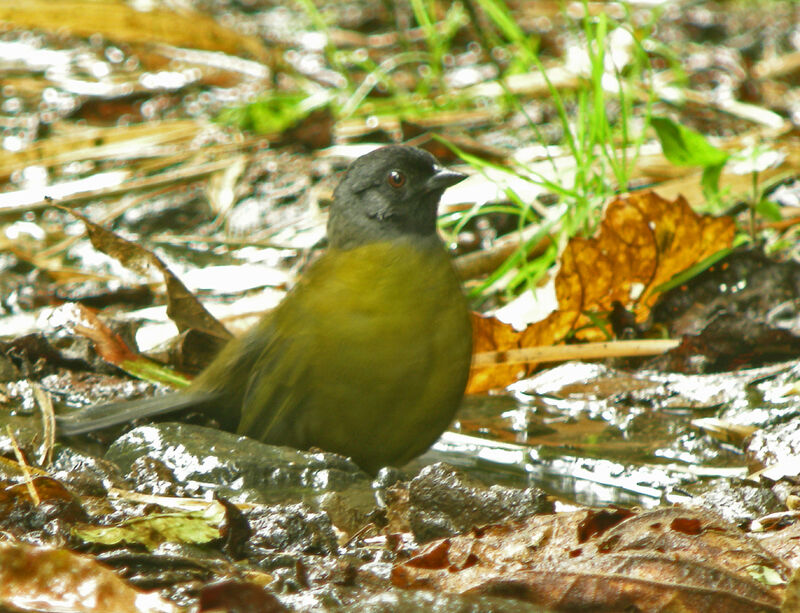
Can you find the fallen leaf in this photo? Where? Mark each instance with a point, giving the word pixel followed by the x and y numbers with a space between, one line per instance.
pixel 46 579
pixel 669 559
pixel 121 21
pixel 113 349
pixel 642 242
pixel 182 306
pixel 196 527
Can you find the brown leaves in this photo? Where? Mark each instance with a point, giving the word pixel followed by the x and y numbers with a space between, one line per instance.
pixel 113 349
pixel 643 241
pixel 123 22
pixel 182 306
pixel 664 560
pixel 45 579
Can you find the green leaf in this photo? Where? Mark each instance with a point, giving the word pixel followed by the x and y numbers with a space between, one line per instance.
pixel 710 182
pixel 769 210
pixel 685 147
pixel 147 370
pixel 194 527
pixel 272 113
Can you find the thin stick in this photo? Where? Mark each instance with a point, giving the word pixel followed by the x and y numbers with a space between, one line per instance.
pixel 585 351
pixel 24 465
pixel 45 403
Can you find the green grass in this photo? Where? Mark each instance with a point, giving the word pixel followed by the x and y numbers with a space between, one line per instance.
pixel 604 151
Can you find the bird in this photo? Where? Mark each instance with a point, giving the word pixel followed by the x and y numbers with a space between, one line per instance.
pixel 368 354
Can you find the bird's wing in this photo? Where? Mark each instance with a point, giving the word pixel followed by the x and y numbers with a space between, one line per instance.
pixel 277 385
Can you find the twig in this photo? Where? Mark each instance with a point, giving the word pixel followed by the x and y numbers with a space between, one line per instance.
pixel 170 502
pixel 24 465
pixel 585 351
pixel 45 403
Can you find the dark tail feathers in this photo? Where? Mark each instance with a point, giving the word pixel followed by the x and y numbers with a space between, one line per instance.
pixel 102 416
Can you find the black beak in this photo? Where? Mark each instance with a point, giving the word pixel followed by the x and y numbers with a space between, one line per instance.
pixel 443 178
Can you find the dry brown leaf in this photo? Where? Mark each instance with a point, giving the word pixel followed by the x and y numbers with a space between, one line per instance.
pixel 120 21
pixel 46 579
pixel 47 490
pixel 182 306
pixel 109 345
pixel 113 349
pixel 669 559
pixel 642 242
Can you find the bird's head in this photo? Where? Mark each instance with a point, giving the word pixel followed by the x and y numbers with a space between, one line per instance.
pixel 389 193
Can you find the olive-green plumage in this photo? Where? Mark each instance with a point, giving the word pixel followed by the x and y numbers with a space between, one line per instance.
pixel 368 355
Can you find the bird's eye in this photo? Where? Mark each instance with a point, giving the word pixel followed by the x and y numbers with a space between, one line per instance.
pixel 396 179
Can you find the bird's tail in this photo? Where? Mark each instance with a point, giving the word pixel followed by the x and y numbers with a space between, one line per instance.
pixel 101 416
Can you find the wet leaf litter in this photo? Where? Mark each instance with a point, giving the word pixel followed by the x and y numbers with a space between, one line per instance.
pixel 227 521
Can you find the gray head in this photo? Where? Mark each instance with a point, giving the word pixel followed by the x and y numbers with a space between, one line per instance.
pixel 389 193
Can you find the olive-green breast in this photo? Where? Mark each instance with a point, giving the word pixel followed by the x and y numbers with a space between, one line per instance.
pixel 369 355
